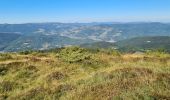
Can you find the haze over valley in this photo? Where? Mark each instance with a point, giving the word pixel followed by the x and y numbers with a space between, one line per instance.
pixel 40 36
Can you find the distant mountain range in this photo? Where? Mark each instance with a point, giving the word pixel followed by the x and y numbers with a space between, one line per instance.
pixel 17 37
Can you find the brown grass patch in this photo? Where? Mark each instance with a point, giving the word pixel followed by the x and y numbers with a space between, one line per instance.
pixel 56 76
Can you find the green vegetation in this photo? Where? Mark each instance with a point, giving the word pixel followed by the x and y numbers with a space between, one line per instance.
pixel 74 54
pixel 75 73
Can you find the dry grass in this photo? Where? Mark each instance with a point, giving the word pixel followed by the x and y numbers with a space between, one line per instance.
pixel 40 76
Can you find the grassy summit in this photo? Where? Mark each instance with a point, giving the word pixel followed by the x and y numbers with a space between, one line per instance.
pixel 75 73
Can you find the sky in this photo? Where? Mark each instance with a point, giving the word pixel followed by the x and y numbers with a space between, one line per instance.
pixel 69 11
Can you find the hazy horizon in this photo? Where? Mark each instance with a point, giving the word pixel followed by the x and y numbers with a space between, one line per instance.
pixel 84 11
pixel 110 22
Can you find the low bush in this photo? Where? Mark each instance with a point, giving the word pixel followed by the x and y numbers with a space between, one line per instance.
pixel 74 54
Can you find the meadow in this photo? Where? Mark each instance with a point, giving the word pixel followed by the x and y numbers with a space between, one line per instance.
pixel 75 73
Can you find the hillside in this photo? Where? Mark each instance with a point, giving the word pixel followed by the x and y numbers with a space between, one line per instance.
pixel 79 74
pixel 40 42
pixel 134 44
pixel 144 43
pixel 7 38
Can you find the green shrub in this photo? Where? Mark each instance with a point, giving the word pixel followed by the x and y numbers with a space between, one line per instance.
pixel 74 54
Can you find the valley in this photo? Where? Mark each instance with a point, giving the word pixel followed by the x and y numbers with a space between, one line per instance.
pixel 39 36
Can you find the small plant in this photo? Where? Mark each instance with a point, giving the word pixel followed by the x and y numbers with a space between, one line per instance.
pixel 74 54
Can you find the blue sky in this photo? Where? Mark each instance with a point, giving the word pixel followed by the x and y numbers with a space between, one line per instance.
pixel 23 11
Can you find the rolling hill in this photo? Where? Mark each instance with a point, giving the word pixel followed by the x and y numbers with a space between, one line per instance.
pixel 144 43
pixel 36 35
pixel 135 44
pixel 7 38
pixel 41 42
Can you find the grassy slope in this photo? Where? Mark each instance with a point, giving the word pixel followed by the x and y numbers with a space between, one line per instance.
pixel 45 76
